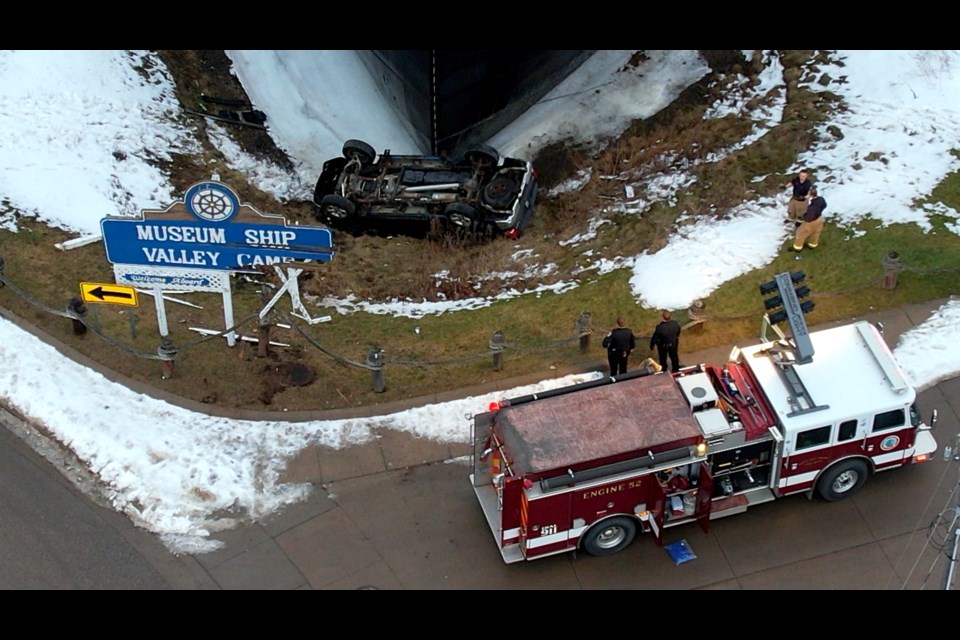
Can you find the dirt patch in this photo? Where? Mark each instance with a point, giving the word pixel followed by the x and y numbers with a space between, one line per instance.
pixel 556 163
pixel 276 377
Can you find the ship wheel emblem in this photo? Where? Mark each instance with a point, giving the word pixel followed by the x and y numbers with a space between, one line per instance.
pixel 210 201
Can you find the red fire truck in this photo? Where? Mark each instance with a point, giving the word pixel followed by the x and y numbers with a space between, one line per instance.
pixel 591 465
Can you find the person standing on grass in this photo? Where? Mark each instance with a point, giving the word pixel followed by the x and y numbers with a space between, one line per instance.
pixel 666 338
pixel 809 230
pixel 619 343
pixel 801 186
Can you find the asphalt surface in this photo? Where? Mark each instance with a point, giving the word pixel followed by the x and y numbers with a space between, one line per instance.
pixel 399 513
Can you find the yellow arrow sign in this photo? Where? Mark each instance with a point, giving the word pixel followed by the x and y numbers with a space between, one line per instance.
pixel 110 293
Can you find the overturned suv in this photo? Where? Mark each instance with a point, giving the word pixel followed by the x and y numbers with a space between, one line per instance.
pixel 480 192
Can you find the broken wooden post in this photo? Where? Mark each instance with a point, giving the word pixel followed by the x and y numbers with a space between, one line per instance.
pixel 263 341
pixel 891 268
pixel 167 352
pixel 695 312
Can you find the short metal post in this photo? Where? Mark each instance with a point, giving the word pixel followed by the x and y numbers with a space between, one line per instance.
pixel 375 360
pixel 891 268
pixel 497 342
pixel 167 352
pixel 79 311
pixel 584 330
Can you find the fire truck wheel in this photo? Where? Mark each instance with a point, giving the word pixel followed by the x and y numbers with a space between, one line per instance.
pixel 610 536
pixel 842 480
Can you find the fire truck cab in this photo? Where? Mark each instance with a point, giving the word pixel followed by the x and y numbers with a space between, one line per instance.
pixel 592 465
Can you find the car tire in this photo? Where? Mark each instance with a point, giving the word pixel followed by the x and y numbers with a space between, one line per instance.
pixel 482 155
pixel 610 536
pixel 461 215
pixel 360 150
pixel 336 208
pixel 842 480
pixel 501 192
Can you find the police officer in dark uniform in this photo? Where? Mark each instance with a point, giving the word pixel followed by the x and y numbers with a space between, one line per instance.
pixel 619 343
pixel 666 338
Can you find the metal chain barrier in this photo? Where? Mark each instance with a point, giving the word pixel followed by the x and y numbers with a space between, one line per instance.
pixel 20 292
pixel 376 360
pixel 382 360
pixel 550 345
pixel 445 361
pixel 320 347
pixel 479 356
pixel 73 312
pixel 927 272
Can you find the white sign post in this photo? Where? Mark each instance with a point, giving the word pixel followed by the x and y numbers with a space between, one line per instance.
pixel 194 244
pixel 161 279
pixel 161 311
pixel 290 285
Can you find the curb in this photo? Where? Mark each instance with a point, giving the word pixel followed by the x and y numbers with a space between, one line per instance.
pixel 369 411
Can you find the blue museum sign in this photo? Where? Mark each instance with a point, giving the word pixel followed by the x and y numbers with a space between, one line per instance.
pixel 211 230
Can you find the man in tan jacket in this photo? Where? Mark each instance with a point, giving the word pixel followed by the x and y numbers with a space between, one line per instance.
pixel 809 230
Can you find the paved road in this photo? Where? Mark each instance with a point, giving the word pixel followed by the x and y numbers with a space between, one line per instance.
pixel 399 513
pixel 53 536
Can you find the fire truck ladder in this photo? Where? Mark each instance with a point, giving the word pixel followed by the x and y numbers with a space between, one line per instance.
pixel 800 400
pixel 786 353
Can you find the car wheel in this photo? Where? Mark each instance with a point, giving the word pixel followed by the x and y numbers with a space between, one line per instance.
pixel 482 155
pixel 842 480
pixel 610 536
pixel 360 150
pixel 461 215
pixel 501 192
pixel 336 207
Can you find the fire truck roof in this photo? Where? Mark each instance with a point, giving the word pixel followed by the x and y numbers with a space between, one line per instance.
pixel 630 416
pixel 852 371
